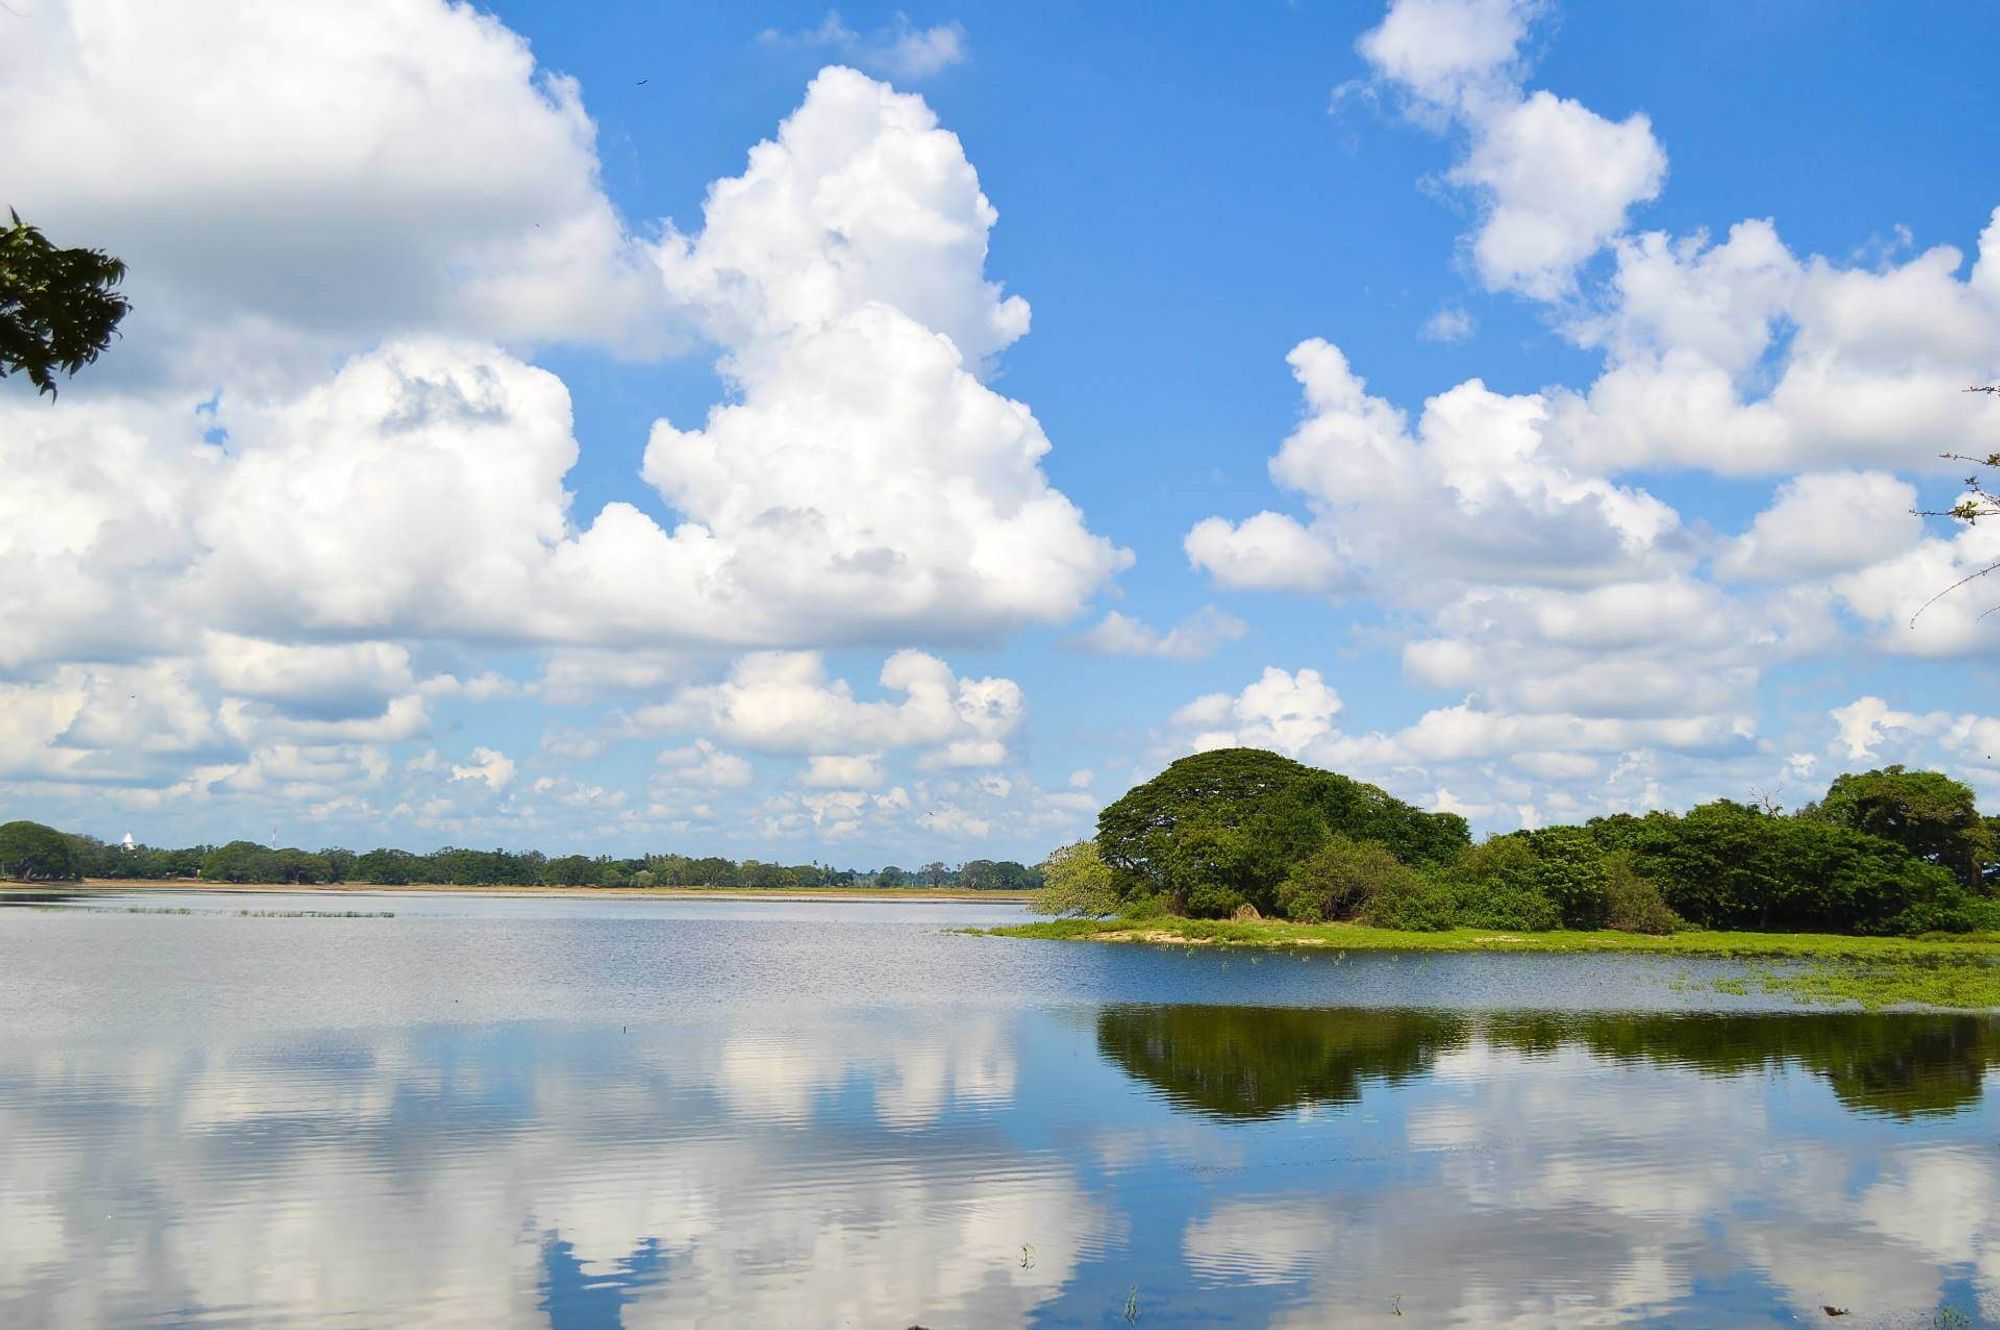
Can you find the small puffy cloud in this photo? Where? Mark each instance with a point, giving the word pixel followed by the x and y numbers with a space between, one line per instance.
pixel 1281 710
pixel 1933 598
pixel 321 681
pixel 1742 358
pixel 1450 324
pixel 1827 523
pixel 1862 723
pixel 1193 638
pixel 1555 181
pixel 1558 181
pixel 1449 55
pixel 1477 484
pixel 898 49
pixel 832 771
pixel 861 199
pixel 785 702
pixel 584 674
pixel 488 765
pixel 1267 552
pixel 701 764
pixel 956 823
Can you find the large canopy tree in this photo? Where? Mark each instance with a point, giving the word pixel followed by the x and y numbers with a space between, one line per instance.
pixel 1224 828
pixel 31 852
pixel 58 307
pixel 1928 813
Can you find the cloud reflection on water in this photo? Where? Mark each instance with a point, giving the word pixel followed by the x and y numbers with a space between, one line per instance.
pixel 800 1167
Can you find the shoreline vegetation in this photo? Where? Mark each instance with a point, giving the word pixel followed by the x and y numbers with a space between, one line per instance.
pixel 33 853
pixel 113 886
pixel 1884 891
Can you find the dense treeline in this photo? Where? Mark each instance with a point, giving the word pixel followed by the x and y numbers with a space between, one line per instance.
pixel 30 851
pixel 1241 832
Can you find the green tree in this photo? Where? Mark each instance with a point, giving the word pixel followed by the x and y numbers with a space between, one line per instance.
pixel 891 876
pixel 31 852
pixel 1497 884
pixel 572 870
pixel 58 307
pixel 756 874
pixel 1632 903
pixel 1341 879
pixel 241 861
pixel 713 872
pixel 1926 812
pixel 296 866
pixel 1223 828
pixel 1076 881
pixel 387 868
pixel 1727 865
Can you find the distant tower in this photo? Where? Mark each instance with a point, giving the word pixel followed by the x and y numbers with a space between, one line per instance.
pixel 126 844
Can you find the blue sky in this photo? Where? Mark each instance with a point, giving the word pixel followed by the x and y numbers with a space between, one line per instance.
pixel 1668 279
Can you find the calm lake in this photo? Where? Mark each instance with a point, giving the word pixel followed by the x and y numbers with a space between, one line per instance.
pixel 531 1112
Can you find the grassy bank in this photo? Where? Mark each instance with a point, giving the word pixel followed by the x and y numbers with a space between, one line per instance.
pixel 1960 972
pixel 565 893
pixel 1359 937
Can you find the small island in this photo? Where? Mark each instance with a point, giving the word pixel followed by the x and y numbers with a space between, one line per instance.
pixel 1883 892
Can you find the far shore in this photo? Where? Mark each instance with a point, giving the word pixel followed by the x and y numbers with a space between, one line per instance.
pixel 564 893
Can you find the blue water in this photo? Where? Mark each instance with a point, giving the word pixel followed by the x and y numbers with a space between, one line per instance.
pixel 580 1113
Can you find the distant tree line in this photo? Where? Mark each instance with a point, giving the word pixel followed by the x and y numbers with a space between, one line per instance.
pixel 1245 833
pixel 31 852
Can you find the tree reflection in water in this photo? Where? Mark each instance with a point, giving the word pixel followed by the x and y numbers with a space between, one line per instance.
pixel 1884 1063
pixel 1260 1062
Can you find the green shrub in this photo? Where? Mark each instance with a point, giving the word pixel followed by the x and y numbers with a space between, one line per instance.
pixel 1077 883
pixel 1633 904
pixel 1504 906
pixel 1982 915
pixel 1144 907
pixel 1412 903
pixel 1341 879
pixel 1568 871
pixel 1211 900
pixel 1498 885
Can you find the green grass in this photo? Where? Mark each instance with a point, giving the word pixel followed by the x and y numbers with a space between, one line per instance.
pixel 1957 983
pixel 1943 971
pixel 1358 937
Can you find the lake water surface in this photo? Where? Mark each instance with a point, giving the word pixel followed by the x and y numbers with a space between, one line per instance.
pixel 583 1113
